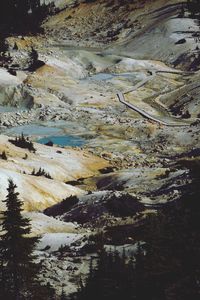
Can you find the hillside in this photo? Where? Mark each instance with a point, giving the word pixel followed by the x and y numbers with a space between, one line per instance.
pixel 107 92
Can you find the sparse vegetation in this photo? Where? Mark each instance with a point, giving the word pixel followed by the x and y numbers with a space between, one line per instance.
pixel 34 63
pixel 123 206
pixel 96 212
pixel 41 172
pixel 5 58
pixel 111 278
pixel 25 156
pixel 194 7
pixel 19 270
pixel 165 266
pixel 62 207
pixel 23 142
pixel 159 226
pixel 3 155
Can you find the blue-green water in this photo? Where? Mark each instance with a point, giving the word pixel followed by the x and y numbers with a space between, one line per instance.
pixel 63 140
pixel 43 134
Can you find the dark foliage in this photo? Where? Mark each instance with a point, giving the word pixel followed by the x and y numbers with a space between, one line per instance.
pixel 92 210
pixel 22 16
pixel 3 155
pixel 172 260
pixel 41 172
pixel 111 278
pixel 123 206
pixel 166 267
pixel 62 207
pixel 35 63
pixel 23 142
pixel 5 58
pixel 18 269
pixel 194 7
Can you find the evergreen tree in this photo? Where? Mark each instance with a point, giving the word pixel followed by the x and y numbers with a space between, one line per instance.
pixel 4 156
pixel 172 260
pixel 112 278
pixel 33 59
pixel 18 268
pixel 63 296
pixel 166 267
pixel 193 7
pixel 19 16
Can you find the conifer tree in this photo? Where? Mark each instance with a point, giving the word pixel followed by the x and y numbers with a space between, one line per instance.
pixel 18 268
pixel 172 260
pixel 193 7
pixel 112 278
pixel 19 16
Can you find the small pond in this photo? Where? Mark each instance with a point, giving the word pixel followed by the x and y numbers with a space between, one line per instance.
pixel 43 134
pixel 63 140
pixel 60 133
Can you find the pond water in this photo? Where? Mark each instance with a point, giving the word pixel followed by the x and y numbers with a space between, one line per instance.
pixel 43 134
pixel 63 140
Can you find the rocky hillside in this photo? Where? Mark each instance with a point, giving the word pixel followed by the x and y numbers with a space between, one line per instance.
pixel 122 77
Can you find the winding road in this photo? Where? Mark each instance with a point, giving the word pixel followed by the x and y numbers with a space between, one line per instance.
pixel 121 98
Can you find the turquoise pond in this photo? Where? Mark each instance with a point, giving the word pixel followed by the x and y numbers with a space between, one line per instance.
pixel 44 134
pixel 63 140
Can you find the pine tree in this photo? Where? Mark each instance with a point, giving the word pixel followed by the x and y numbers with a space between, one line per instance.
pixel 172 260
pixel 63 296
pixel 22 16
pixel 112 278
pixel 33 59
pixel 4 156
pixel 19 270
pixel 193 7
